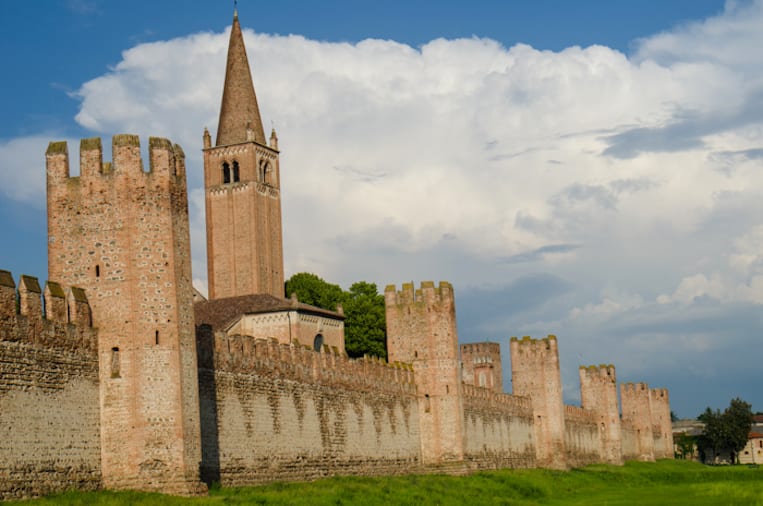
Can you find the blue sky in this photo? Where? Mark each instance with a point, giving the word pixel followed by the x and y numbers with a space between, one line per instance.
pixel 589 169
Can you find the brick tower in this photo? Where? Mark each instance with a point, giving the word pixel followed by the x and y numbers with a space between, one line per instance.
pixel 481 363
pixel 242 186
pixel 635 399
pixel 662 427
pixel 122 234
pixel 421 330
pixel 598 393
pixel 535 373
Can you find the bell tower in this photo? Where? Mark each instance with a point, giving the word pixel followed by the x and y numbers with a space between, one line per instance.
pixel 242 189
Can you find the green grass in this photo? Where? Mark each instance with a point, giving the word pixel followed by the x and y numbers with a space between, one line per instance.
pixel 662 483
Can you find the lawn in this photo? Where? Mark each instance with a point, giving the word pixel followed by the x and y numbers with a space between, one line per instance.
pixel 662 483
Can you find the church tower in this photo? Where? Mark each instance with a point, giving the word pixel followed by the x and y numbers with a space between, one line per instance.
pixel 242 187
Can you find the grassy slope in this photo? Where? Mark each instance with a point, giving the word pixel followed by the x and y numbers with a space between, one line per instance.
pixel 662 483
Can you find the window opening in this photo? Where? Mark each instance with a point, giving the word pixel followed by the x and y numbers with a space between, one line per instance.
pixel 97 271
pixel 235 172
pixel 427 406
pixel 318 342
pixel 156 337
pixel 115 362
pixel 226 173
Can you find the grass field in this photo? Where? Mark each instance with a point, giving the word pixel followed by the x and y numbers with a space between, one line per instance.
pixel 662 483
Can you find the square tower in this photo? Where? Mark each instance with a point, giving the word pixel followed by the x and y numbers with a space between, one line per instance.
pixel 122 234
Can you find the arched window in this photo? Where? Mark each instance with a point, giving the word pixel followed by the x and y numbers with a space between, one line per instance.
pixel 265 172
pixel 226 173
pixel 236 178
pixel 318 342
pixel 483 380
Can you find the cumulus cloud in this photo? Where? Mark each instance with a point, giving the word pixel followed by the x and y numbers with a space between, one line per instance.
pixel 584 192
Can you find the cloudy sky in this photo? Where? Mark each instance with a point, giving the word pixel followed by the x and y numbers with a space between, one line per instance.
pixel 588 169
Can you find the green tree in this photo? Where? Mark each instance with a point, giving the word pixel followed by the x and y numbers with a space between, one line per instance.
pixel 313 290
pixel 727 431
pixel 364 324
pixel 738 420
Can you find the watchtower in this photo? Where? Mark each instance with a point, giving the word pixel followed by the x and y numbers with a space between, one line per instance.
pixel 637 412
pixel 598 392
pixel 662 426
pixel 481 365
pixel 242 186
pixel 535 373
pixel 122 234
pixel 421 330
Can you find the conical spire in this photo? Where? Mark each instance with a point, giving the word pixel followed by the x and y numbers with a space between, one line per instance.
pixel 239 111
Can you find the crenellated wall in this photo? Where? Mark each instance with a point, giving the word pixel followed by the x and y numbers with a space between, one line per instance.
pixel 271 412
pixel 49 411
pixel 498 429
pixel 581 436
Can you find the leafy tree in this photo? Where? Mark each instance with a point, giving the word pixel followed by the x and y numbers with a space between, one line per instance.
pixel 673 416
pixel 313 290
pixel 738 421
pixel 364 324
pixel 726 431
pixel 365 327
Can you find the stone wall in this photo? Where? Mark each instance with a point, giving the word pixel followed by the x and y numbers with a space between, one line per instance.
pixel 498 430
pixel 635 400
pixel 283 412
pixel 581 437
pixel 49 410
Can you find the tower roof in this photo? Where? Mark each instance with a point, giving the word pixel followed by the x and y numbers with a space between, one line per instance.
pixel 239 110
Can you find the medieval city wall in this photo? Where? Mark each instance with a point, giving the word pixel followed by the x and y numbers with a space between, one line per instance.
pixel 284 412
pixel 581 437
pixel 49 408
pixel 498 430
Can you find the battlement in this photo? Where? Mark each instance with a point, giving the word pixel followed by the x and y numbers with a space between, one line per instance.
pixel 248 355
pixel 478 348
pixel 659 393
pixel 601 372
pixel 529 345
pixel 165 160
pixel 427 294
pixel 634 388
pixel 56 317
pixel 513 404
pixel 578 414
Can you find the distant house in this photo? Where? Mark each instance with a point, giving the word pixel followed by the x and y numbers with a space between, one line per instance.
pixel 753 451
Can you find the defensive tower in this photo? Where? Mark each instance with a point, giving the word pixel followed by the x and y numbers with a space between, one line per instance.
pixel 598 393
pixel 481 365
pixel 122 234
pixel 535 373
pixel 662 427
pixel 242 187
pixel 637 412
pixel 421 330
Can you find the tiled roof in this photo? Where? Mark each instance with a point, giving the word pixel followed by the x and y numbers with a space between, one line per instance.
pixel 219 313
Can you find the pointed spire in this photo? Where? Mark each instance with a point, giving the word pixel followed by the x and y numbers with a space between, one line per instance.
pixel 239 110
